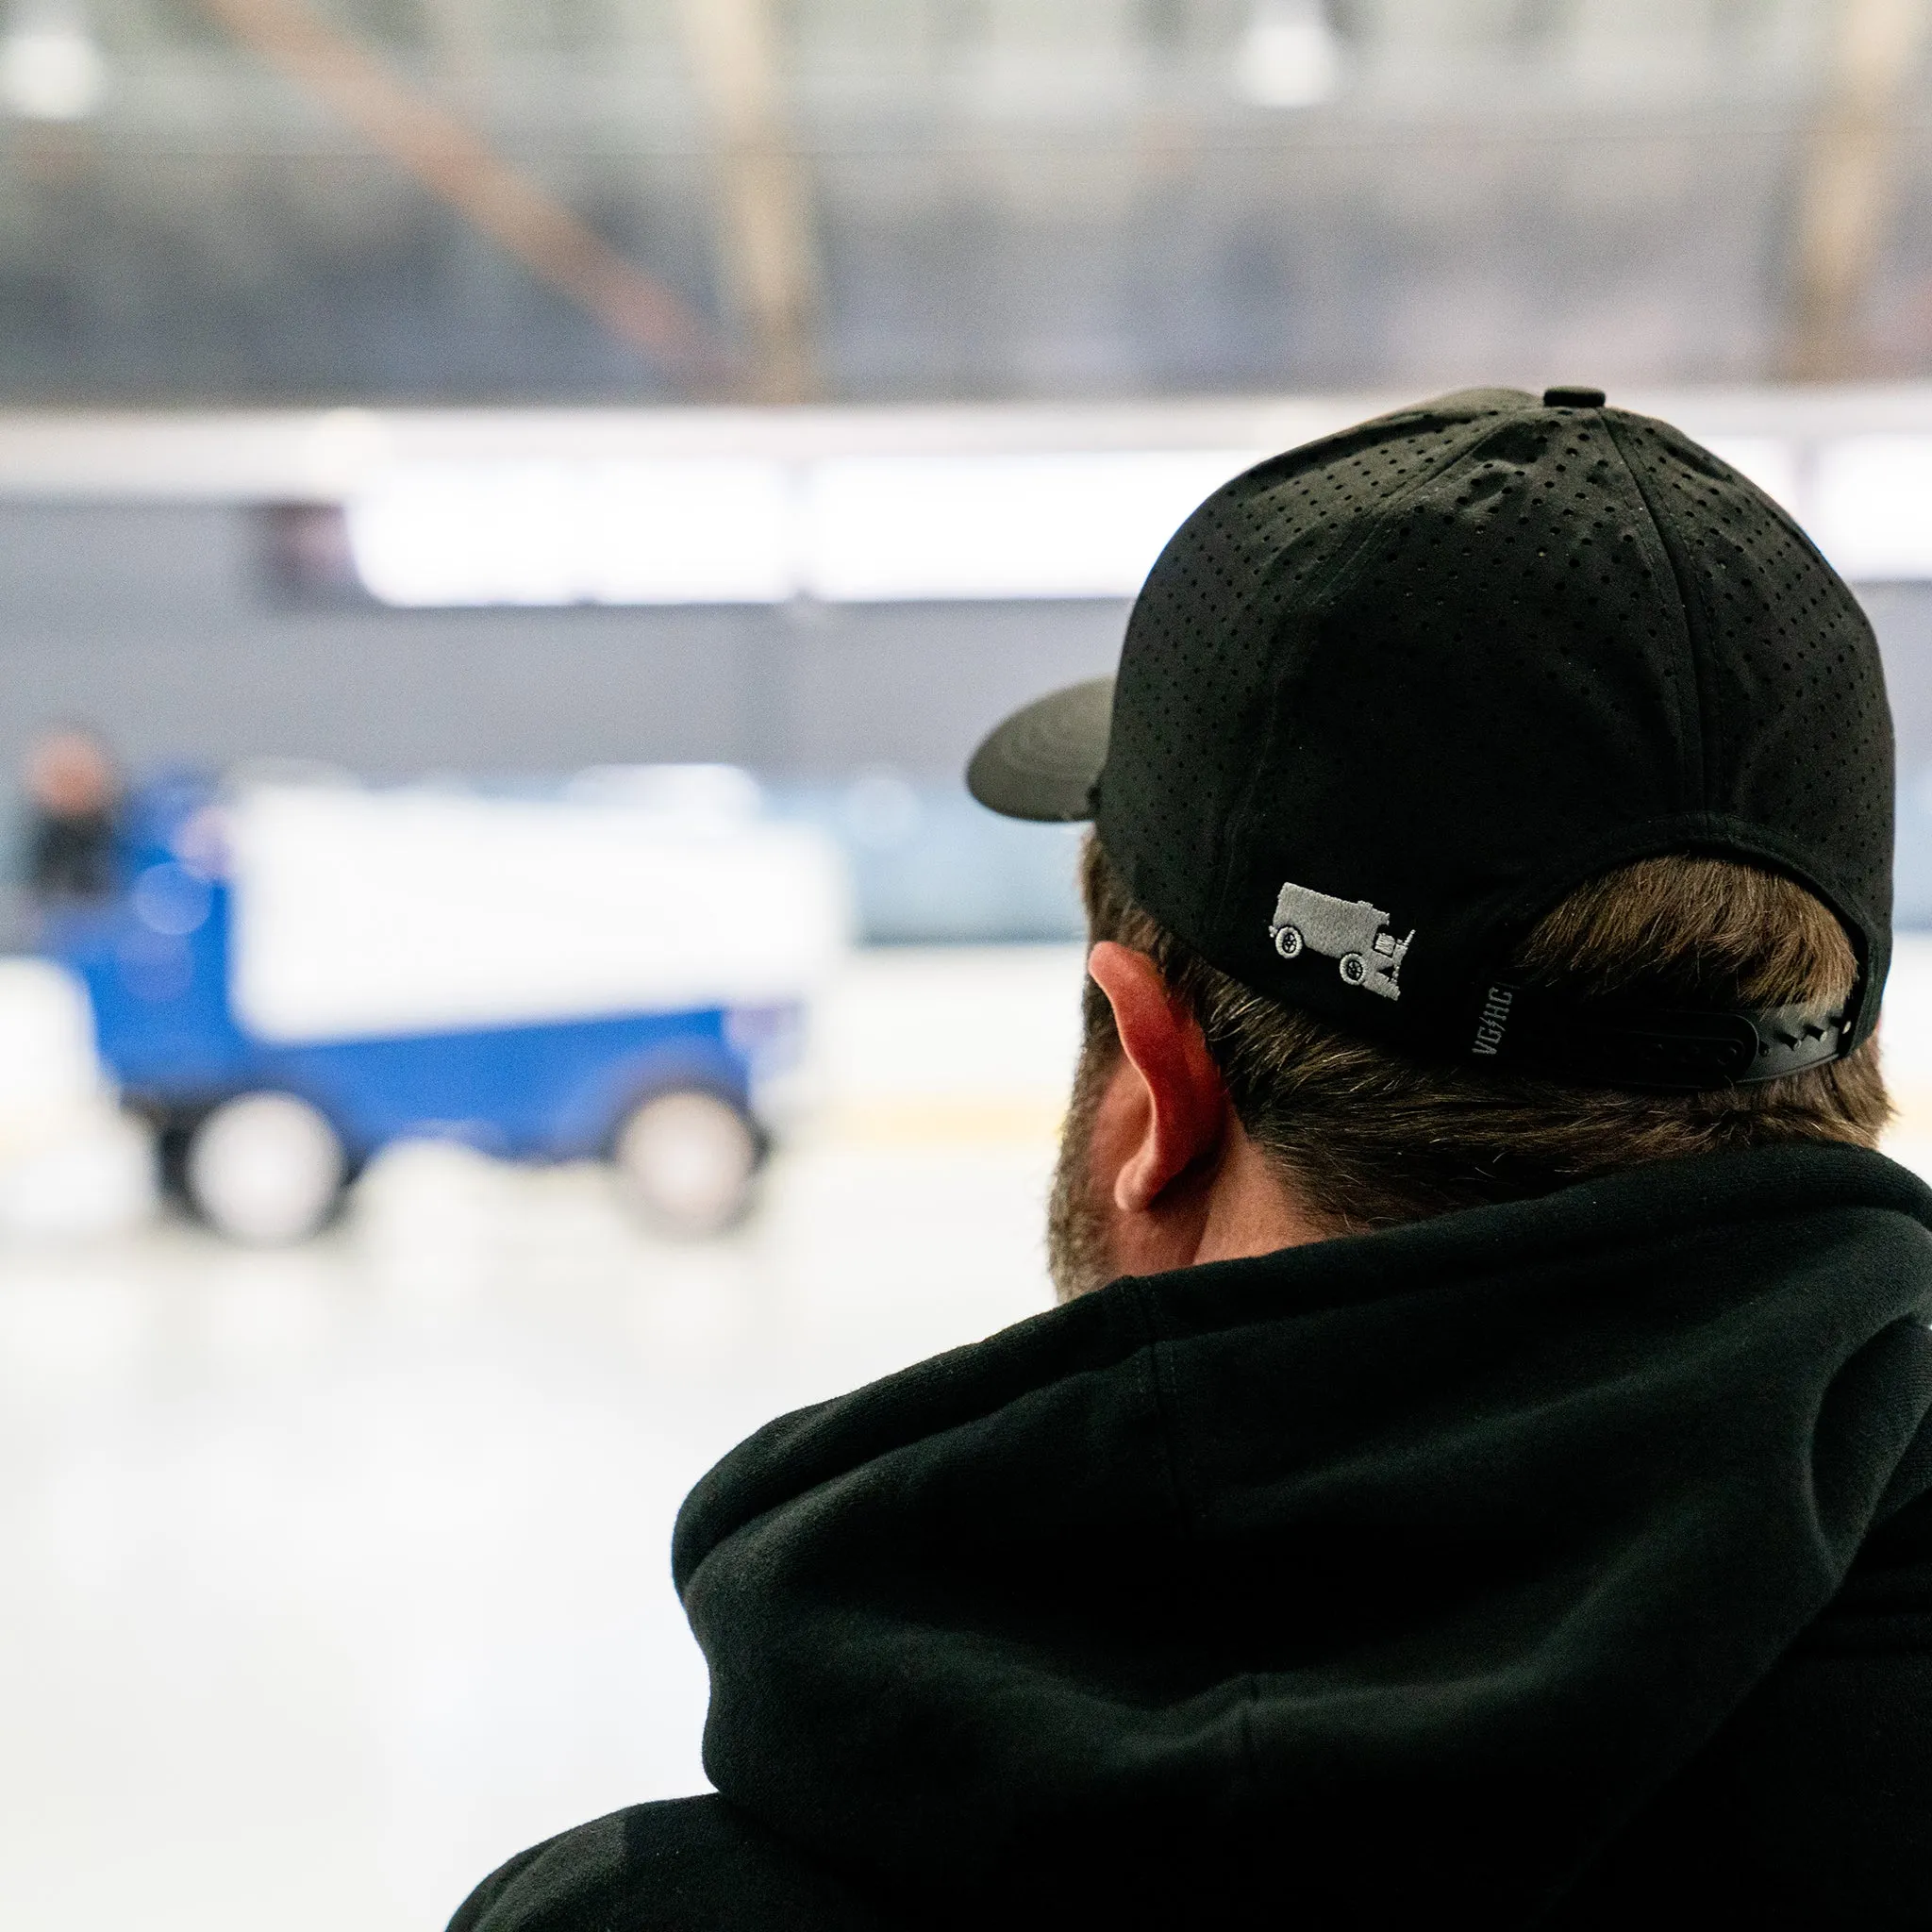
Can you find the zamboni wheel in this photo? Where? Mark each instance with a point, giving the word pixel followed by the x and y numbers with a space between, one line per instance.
pixel 264 1168
pixel 686 1160
pixel 1355 968
pixel 1287 941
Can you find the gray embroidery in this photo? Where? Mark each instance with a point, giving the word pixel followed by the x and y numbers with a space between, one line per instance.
pixel 1493 1019
pixel 1348 930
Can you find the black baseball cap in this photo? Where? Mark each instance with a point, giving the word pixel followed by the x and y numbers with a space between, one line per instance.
pixel 1388 698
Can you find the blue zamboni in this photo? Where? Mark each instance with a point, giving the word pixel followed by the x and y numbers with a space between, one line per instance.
pixel 290 976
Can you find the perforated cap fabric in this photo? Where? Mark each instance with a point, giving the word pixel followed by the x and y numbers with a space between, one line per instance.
pixel 1386 699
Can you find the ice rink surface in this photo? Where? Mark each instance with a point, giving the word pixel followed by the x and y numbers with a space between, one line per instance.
pixel 333 1576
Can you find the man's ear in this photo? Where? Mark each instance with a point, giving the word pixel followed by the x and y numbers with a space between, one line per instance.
pixel 1181 1116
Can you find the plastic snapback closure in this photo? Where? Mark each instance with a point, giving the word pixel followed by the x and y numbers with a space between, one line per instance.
pixel 1605 1044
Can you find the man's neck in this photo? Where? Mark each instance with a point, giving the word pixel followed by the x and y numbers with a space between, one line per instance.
pixel 1251 1210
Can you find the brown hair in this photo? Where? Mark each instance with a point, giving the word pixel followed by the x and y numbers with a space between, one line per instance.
pixel 1368 1137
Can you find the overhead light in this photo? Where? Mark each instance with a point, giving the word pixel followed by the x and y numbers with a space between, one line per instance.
pixel 50 64
pixel 705 530
pixel 881 528
pixel 1289 55
pixel 698 531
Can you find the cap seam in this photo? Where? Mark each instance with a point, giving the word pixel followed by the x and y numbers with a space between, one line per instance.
pixel 1874 958
pixel 1704 714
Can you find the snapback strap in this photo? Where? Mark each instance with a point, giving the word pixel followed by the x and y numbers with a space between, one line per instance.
pixel 1603 1043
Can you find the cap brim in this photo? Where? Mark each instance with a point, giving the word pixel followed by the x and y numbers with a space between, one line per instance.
pixel 1043 762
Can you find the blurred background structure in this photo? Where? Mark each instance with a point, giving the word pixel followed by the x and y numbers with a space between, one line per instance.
pixel 496 418
pixel 657 200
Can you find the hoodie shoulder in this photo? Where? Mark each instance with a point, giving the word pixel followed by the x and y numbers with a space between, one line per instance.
pixel 685 1865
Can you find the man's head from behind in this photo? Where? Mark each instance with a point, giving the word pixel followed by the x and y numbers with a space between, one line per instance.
pixel 1209 1120
pixel 1492 795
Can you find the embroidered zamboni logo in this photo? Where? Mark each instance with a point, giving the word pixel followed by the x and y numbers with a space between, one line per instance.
pixel 1349 931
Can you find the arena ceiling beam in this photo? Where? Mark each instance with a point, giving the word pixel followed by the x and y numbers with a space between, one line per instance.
pixel 764 237
pixel 456 165
pixel 1850 182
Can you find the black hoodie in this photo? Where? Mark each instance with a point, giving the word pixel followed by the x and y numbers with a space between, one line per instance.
pixel 1553 1564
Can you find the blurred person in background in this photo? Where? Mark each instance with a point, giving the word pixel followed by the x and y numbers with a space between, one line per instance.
pixel 1479 1468
pixel 74 794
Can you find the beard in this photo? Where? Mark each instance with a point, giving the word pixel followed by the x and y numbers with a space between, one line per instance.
pixel 1078 1252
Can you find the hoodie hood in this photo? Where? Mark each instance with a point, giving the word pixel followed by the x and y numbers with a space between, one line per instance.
pixel 1364 1579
